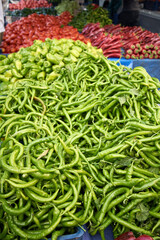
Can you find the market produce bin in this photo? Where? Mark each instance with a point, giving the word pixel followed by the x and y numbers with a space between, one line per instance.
pixel 152 66
pixel 123 61
pixel 108 233
pixel 78 235
pixel 75 236
pixel 83 234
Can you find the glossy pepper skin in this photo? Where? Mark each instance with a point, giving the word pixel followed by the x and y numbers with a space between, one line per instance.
pixel 16 73
pixel 126 236
pixel 2 57
pixel 3 68
pixel 41 75
pixel 52 76
pixel 18 65
pixel 4 62
pixel 4 79
pixel 55 59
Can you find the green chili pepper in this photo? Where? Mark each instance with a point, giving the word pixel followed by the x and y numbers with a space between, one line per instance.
pixel 4 78
pixel 56 58
pixel 16 73
pixel 41 76
pixel 4 68
pixel 18 65
pixel 14 211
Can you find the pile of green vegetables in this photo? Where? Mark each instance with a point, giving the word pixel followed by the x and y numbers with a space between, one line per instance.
pixel 91 15
pixel 80 143
pixel 67 5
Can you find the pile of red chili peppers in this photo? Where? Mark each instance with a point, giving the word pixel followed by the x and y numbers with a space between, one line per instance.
pixel 111 45
pixel 136 42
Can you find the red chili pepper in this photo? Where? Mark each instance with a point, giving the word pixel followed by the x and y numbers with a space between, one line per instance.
pixel 154 52
pixel 132 46
pixel 113 55
pixel 149 51
pixel 126 236
pixel 156 47
pixel 127 56
pixel 141 56
pixel 112 51
pixel 150 56
pixel 156 56
pixel 133 56
pixel 144 51
pixel 136 50
pixel 129 51
pixel 111 46
pixel 146 46
pixel 98 41
pixel 146 55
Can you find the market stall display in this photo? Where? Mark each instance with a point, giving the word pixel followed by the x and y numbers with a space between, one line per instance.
pixel 23 32
pixel 118 41
pixel 91 14
pixel 29 4
pixel 68 112
pixel 110 44
pixel 137 42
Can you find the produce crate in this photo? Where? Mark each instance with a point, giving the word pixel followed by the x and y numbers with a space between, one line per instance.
pixel 78 235
pixel 152 66
pixel 108 233
pixel 123 61
pixel 75 236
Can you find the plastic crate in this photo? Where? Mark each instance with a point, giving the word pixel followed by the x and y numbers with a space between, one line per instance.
pixel 152 66
pixel 75 236
pixel 123 61
pixel 78 235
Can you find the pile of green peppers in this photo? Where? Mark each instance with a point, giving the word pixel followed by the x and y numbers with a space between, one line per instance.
pixel 80 143
pixel 90 15
pixel 67 5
